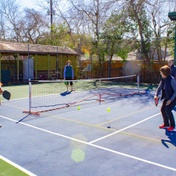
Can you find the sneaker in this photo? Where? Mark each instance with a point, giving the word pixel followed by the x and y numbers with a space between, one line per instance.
pixel 170 128
pixel 163 126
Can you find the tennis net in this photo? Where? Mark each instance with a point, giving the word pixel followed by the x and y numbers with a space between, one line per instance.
pixel 50 95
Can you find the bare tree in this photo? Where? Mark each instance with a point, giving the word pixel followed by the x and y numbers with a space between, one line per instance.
pixel 89 17
pixel 137 13
pixel 20 25
pixel 33 26
pixel 79 22
pixel 9 10
pixel 152 25
pixel 2 28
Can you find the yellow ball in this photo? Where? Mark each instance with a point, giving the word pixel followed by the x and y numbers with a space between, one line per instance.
pixel 79 108
pixel 108 109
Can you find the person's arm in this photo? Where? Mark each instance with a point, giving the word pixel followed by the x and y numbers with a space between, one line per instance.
pixel 173 84
pixel 159 88
pixel 72 73
pixel 64 72
pixel 174 72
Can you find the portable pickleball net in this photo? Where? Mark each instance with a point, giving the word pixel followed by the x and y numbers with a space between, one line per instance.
pixel 51 95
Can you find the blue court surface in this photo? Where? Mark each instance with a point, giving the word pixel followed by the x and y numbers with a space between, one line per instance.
pixel 114 137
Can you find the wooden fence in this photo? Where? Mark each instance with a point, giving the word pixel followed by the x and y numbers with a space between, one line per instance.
pixel 149 71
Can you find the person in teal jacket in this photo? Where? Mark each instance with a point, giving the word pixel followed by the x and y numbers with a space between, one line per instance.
pixel 68 74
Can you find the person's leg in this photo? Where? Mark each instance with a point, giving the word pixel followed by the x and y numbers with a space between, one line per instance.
pixel 169 113
pixel 66 83
pixel 170 117
pixel 67 87
pixel 164 115
pixel 71 85
pixel 1 91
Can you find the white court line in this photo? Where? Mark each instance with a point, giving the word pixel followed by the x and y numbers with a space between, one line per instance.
pixel 111 134
pixel 17 166
pixel 12 100
pixel 96 146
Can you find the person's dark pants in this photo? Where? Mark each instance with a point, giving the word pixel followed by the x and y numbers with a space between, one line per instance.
pixel 69 78
pixel 166 111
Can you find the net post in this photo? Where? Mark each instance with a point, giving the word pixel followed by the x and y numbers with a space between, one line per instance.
pixel 138 82
pixel 30 93
pixel 30 101
pixel 29 96
pixel 99 98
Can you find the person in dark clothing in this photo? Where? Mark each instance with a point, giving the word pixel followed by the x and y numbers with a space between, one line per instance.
pixel 173 67
pixel 168 87
pixel 1 91
pixel 69 74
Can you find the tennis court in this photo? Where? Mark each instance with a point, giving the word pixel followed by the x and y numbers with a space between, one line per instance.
pixel 106 131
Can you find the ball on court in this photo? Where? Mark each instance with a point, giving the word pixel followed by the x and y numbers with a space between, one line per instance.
pixel 78 107
pixel 108 110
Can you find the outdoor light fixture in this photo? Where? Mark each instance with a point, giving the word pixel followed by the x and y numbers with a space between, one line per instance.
pixel 172 15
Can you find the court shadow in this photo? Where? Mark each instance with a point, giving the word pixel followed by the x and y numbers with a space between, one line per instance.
pixel 22 118
pixel 171 138
pixel 65 93
pixel 29 117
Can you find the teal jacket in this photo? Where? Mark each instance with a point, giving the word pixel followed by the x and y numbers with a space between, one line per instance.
pixel 68 72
